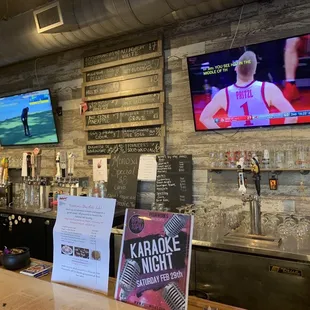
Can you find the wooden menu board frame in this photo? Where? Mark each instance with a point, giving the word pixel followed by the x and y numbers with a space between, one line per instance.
pixel 160 62
pixel 115 82
pixel 158 121
pixel 122 104
pixel 156 75
pixel 161 141
pixel 157 53
pixel 121 132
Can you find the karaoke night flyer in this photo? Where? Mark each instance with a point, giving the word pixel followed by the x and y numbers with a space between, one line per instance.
pixel 154 265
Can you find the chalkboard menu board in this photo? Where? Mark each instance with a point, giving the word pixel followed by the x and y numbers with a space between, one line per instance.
pixel 122 184
pixel 174 180
pixel 122 118
pixel 128 87
pixel 122 54
pixel 125 133
pixel 125 148
pixel 124 102
pixel 124 92
pixel 127 69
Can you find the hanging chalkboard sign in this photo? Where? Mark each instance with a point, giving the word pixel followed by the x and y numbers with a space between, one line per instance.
pixel 128 54
pixel 124 102
pixel 174 180
pixel 122 179
pixel 126 69
pixel 128 87
pixel 123 89
pixel 126 133
pixel 146 147
pixel 152 116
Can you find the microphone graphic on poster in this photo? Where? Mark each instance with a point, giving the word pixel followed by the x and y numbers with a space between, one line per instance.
pixel 174 225
pixel 174 297
pixel 128 278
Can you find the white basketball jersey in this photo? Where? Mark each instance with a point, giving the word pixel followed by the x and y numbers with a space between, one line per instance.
pixel 247 101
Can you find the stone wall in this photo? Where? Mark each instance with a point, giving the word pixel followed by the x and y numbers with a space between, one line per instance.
pixel 260 22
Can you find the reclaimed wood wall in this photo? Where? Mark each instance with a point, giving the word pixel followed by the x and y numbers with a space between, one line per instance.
pixel 260 22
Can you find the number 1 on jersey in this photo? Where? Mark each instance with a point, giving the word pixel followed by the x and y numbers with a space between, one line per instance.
pixel 245 108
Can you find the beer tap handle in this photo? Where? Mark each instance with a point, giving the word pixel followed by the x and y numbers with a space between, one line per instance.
pixel 255 168
pixel 241 178
pixel 58 173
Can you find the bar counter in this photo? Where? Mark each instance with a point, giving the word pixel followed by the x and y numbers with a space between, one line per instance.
pixel 249 248
pixel 21 292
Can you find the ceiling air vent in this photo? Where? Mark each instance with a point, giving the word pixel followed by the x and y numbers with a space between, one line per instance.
pixel 55 17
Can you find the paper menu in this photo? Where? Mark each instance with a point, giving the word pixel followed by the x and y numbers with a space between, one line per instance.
pixel 82 241
pixel 100 169
pixel 147 168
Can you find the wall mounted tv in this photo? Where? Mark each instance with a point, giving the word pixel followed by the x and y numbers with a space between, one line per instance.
pixel 252 86
pixel 27 119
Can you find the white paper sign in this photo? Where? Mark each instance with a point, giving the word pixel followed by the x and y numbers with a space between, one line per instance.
pixel 82 241
pixel 147 168
pixel 100 169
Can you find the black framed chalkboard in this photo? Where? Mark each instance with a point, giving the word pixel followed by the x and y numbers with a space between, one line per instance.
pixel 124 102
pixel 154 147
pixel 174 180
pixel 126 69
pixel 123 180
pixel 138 85
pixel 123 54
pixel 122 117
pixel 125 133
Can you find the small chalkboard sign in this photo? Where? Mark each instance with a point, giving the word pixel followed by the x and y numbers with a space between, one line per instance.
pixel 122 179
pixel 139 85
pixel 154 147
pixel 125 133
pixel 151 48
pixel 124 119
pixel 126 69
pixel 174 180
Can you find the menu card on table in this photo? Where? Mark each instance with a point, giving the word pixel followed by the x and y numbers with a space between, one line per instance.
pixel 174 180
pixel 82 242
pixel 154 265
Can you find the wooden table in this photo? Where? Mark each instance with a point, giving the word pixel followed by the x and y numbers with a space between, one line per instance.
pixel 21 292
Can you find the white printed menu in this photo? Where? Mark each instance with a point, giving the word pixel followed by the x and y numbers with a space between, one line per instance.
pixel 82 241
pixel 147 168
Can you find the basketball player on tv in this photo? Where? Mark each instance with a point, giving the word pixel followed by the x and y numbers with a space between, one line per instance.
pixel 247 97
pixel 294 48
pixel 24 119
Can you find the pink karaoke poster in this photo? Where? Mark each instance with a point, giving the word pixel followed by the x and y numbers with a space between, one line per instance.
pixel 154 265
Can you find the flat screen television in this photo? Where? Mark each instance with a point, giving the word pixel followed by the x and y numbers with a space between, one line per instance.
pixel 257 85
pixel 27 119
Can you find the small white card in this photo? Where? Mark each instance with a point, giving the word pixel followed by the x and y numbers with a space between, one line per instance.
pixel 100 169
pixel 147 168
